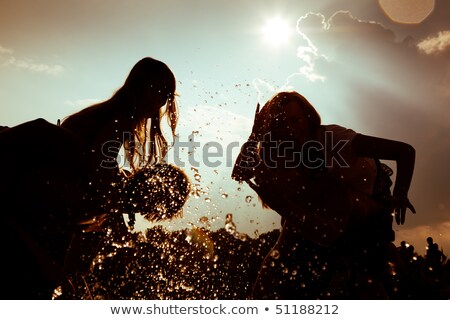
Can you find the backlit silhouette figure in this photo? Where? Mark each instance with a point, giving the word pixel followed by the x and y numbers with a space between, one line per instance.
pixel 333 196
pixel 56 177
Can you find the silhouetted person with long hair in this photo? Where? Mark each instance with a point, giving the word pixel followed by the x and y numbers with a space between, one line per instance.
pixel 60 176
pixel 333 196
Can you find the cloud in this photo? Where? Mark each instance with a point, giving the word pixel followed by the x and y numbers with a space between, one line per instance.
pixel 435 44
pixel 308 53
pixel 5 51
pixel 334 39
pixel 265 90
pixel 319 44
pixel 7 58
pixel 343 23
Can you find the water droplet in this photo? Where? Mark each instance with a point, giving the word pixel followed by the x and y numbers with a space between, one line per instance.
pixel 248 199
pixel 57 292
pixel 242 236
pixel 275 254
pixel 230 227
pixel 203 220
pixel 224 195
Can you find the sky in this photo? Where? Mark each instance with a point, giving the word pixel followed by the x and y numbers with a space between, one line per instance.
pixel 380 70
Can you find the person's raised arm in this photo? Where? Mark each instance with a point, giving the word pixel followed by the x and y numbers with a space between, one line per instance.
pixel 403 154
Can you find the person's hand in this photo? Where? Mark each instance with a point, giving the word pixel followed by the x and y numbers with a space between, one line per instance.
pixel 246 162
pixel 248 159
pixel 400 204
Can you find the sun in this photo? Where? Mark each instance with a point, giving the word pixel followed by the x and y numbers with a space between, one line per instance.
pixel 276 31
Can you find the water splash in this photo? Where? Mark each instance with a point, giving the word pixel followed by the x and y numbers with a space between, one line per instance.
pixel 231 228
pixel 57 293
pixel 275 254
pixel 197 176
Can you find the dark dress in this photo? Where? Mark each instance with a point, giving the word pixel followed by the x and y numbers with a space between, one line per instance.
pixel 41 197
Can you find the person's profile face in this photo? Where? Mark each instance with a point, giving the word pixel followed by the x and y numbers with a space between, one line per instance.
pixel 150 101
pixel 293 124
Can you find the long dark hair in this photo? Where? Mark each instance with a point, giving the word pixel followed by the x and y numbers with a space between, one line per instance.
pixel 274 111
pixel 266 121
pixel 147 74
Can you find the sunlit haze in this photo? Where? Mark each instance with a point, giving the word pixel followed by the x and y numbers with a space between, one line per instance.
pixel 277 31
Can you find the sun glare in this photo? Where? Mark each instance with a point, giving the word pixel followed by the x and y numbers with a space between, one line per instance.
pixel 407 11
pixel 276 31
